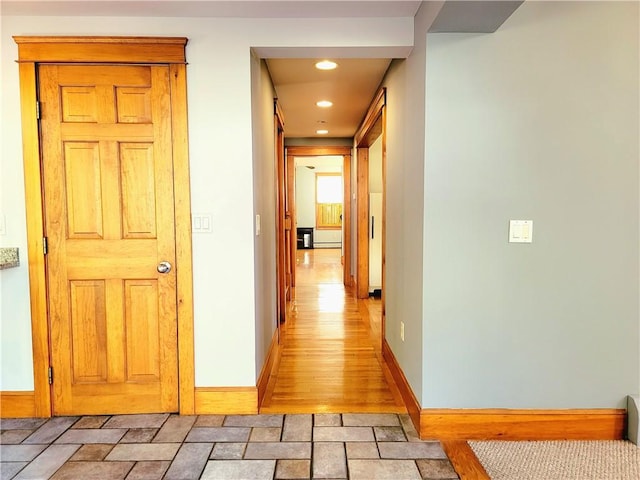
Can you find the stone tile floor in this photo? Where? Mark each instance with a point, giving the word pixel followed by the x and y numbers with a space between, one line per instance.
pixel 231 447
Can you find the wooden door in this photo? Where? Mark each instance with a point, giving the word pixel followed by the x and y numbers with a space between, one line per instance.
pixel 109 220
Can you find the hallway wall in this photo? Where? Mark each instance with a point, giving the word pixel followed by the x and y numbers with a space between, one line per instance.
pixel 538 121
pixel 405 82
pixel 264 195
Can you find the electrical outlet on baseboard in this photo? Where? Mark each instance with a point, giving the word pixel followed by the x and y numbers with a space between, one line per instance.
pixel 402 331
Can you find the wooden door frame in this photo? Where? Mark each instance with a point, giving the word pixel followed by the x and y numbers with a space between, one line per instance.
pixel 169 51
pixel 281 215
pixel 345 153
pixel 373 126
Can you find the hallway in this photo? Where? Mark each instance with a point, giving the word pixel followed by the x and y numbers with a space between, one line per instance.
pixel 330 359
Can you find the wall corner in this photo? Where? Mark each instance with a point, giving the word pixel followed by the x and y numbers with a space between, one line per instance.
pixel 633 419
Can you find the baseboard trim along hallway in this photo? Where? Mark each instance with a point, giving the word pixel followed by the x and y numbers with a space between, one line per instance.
pixel 507 424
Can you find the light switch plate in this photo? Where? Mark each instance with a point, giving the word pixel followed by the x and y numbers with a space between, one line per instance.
pixel 201 223
pixel 258 225
pixel 520 231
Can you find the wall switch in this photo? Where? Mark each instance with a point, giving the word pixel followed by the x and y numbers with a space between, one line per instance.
pixel 257 225
pixel 402 331
pixel 201 223
pixel 520 231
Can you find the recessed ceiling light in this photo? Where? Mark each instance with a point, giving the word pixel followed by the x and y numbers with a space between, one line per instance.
pixel 326 65
pixel 322 132
pixel 324 103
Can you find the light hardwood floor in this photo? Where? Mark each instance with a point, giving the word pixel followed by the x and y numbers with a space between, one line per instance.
pixel 330 352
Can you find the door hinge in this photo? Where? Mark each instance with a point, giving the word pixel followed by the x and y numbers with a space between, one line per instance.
pixel 50 373
pixel 45 245
pixel 37 110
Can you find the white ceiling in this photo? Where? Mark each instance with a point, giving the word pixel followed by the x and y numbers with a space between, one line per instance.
pixel 214 8
pixel 351 87
pixel 298 84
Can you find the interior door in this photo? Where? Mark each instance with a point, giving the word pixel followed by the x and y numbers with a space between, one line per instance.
pixel 109 220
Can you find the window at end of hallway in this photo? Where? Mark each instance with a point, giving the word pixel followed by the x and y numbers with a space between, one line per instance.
pixel 328 201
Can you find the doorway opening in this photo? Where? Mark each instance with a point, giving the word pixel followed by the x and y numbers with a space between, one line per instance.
pixel 325 221
pixel 330 350
pixel 319 207
pixel 328 353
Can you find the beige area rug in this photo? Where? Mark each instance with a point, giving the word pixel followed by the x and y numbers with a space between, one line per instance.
pixel 559 460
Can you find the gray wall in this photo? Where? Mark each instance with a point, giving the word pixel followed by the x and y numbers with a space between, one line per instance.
pixel 538 121
pixel 264 200
pixel 405 83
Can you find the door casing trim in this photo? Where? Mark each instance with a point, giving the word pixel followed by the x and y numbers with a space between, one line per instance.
pixel 33 50
pixel 373 126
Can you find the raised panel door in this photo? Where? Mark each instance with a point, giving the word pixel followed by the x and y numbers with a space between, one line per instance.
pixel 109 219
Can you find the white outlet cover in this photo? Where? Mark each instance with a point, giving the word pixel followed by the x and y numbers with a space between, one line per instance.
pixel 520 231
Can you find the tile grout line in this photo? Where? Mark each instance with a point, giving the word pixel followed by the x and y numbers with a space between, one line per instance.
pixel 311 455
pixel 346 459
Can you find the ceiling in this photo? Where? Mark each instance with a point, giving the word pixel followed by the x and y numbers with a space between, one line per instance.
pixel 351 87
pixel 214 8
pixel 299 85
